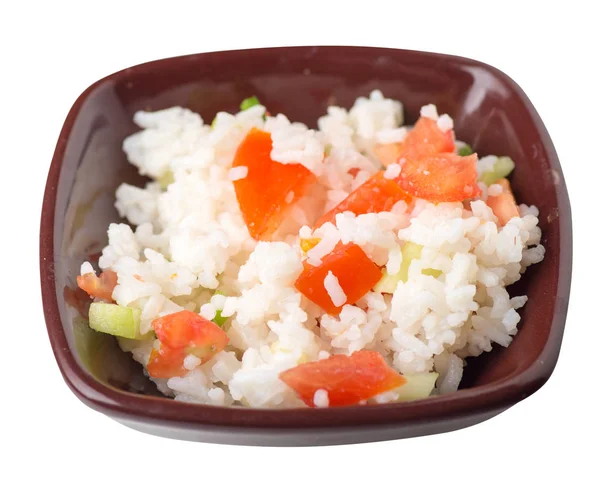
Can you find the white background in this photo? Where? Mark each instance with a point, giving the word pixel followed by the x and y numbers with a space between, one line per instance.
pixel 52 52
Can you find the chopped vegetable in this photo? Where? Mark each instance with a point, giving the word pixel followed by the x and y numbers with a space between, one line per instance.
pixel 356 274
pixel 249 102
pixel 180 334
pixel 377 194
pixel 98 287
pixel 218 318
pixel 444 177
pixel 504 205
pixel 166 179
pixel 307 244
pixel 166 362
pixel 347 379
pixel 192 332
pixel 502 168
pixel 465 150
pixel 426 139
pixel 270 188
pixel 410 251
pixel 417 386
pixel 115 320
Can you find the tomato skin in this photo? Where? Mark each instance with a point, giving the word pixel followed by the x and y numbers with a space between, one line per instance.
pixel 188 330
pixel 270 188
pixel 166 362
pixel 377 194
pixel 98 286
pixel 347 379
pixel 356 273
pixel 443 177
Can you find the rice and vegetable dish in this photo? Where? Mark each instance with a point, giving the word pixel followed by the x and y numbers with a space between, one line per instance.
pixel 270 265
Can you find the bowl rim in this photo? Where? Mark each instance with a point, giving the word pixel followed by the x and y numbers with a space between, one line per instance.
pixel 121 404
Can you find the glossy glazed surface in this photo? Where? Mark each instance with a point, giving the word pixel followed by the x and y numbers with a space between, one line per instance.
pixel 490 112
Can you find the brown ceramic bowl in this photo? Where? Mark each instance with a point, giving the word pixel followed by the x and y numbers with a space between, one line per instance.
pixel 490 111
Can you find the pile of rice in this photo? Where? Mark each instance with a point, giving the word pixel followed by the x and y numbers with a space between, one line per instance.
pixel 189 239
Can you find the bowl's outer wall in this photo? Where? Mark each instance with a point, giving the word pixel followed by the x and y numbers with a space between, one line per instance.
pixel 490 112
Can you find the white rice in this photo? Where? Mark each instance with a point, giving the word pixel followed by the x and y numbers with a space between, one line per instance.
pixel 190 240
pixel 238 173
pixel 321 398
pixel 334 290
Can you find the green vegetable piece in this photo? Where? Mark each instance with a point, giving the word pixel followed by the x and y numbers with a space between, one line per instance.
pixel 502 168
pixel 328 148
pixel 115 320
pixel 219 319
pixel 249 102
pixel 166 179
pixel 465 150
pixel 417 386
pixel 410 251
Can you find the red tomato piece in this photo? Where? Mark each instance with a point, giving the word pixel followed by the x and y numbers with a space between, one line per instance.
pixel 356 273
pixel 504 205
pixel 347 379
pixel 444 177
pixel 99 287
pixel 166 362
pixel 191 332
pixel 427 138
pixel 270 188
pixel 377 194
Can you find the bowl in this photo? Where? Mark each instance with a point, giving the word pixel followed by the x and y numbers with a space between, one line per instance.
pixel 490 111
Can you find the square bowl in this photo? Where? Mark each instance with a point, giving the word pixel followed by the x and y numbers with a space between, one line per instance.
pixel 490 111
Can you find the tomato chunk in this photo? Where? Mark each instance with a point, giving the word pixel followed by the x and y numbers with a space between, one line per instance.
pixel 427 138
pixel 99 287
pixel 270 188
pixel 166 362
pixel 347 379
pixel 180 334
pixel 504 205
pixel 356 274
pixel 444 177
pixel 377 194
pixel 191 332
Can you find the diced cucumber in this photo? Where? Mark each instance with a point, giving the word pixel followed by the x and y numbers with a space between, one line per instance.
pixel 249 102
pixel 410 251
pixel 417 386
pixel 115 320
pixel 502 168
pixel 166 179
pixel 465 150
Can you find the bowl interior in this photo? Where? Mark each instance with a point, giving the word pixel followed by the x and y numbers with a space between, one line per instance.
pixel 489 113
